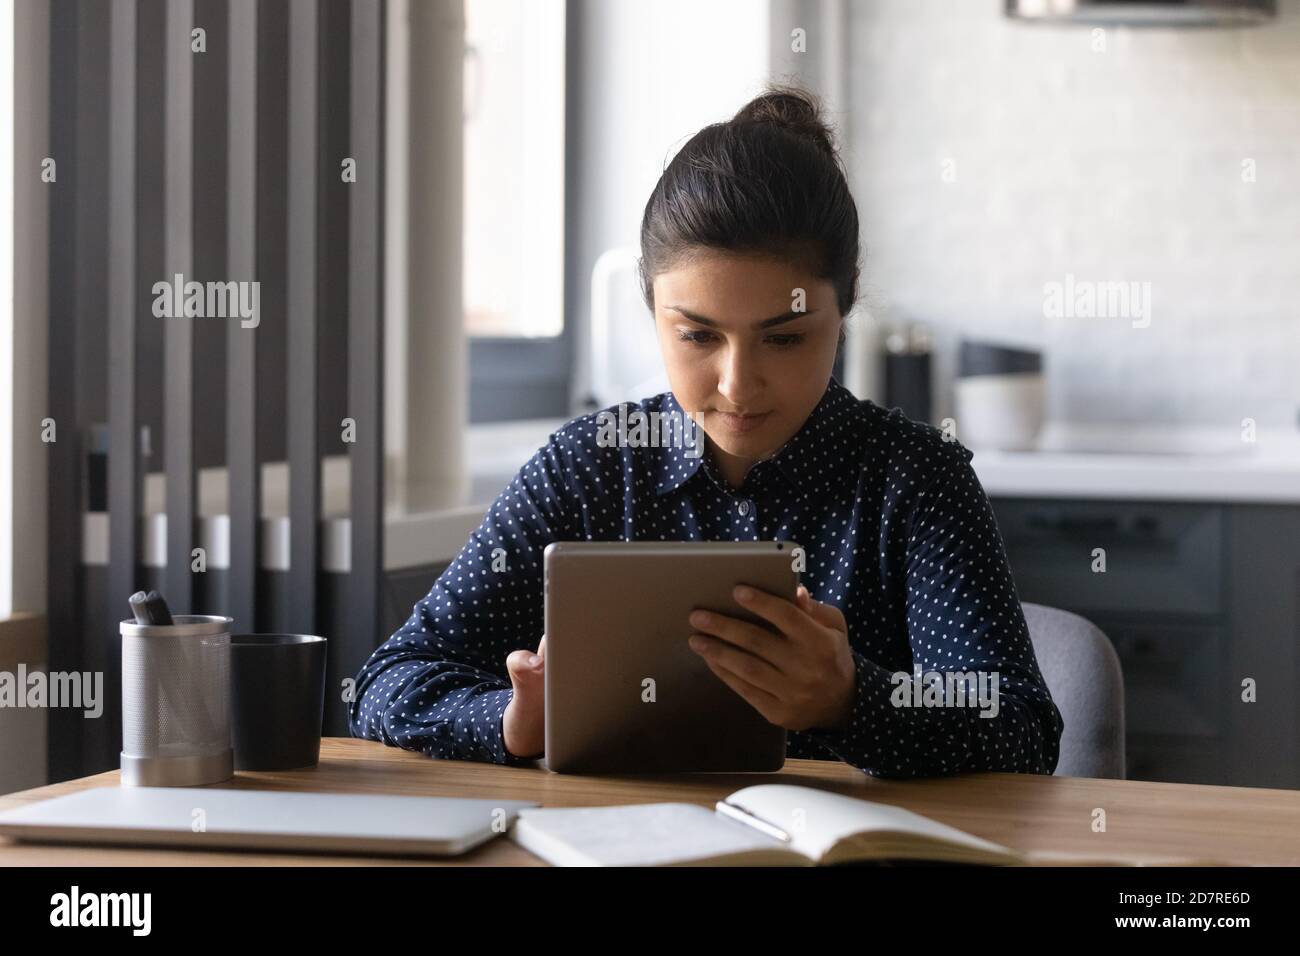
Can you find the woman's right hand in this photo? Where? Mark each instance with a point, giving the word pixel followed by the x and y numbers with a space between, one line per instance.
pixel 524 722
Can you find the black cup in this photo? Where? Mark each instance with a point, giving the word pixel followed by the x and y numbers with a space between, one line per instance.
pixel 277 700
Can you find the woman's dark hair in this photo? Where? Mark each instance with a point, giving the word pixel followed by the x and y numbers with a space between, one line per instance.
pixel 766 182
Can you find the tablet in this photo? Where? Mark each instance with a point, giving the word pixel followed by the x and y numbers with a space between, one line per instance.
pixel 624 691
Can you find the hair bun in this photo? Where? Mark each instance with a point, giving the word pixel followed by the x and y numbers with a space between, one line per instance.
pixel 793 109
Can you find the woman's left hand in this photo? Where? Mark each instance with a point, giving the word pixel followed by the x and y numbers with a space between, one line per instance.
pixel 803 677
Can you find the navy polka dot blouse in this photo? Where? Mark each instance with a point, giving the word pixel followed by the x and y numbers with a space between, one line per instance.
pixel 898 535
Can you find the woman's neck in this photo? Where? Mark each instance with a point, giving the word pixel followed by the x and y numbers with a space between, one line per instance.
pixel 732 468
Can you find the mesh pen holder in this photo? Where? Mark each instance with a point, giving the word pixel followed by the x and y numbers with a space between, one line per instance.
pixel 176 702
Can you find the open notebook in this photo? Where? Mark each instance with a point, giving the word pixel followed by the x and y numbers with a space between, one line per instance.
pixel 763 825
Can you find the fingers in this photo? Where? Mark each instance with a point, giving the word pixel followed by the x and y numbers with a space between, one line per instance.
pixel 526 668
pixel 761 700
pixel 523 725
pixel 788 617
pixel 527 671
pixel 827 615
pixel 747 637
pixel 741 664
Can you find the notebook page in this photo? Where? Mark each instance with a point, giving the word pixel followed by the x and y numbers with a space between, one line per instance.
pixel 817 819
pixel 651 834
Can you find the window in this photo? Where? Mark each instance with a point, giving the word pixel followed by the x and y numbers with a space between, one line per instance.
pixel 514 168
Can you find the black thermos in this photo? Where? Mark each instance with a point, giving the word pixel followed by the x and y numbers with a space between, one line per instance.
pixel 907 371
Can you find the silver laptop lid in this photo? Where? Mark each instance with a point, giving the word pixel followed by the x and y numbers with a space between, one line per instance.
pixel 212 818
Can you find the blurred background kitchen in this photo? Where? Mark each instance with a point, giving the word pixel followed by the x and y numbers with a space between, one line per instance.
pixel 1082 259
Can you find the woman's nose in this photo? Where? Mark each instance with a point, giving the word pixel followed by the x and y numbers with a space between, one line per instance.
pixel 739 380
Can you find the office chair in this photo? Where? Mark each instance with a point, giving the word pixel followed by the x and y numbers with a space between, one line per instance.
pixel 1083 673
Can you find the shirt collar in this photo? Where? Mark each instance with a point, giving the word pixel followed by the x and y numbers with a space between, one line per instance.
pixel 676 463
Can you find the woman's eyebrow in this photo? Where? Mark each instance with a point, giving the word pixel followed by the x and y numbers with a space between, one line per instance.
pixel 765 324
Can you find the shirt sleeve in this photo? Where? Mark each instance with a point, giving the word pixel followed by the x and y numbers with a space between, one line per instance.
pixel 963 619
pixel 439 685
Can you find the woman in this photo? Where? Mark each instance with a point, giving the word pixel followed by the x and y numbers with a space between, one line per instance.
pixel 749 264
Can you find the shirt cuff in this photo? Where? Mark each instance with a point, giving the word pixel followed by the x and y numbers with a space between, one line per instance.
pixel 872 687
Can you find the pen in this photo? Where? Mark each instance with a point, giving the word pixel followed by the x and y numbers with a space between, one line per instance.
pixel 749 819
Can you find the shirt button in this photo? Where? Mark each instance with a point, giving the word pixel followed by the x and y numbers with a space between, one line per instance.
pixel 743 507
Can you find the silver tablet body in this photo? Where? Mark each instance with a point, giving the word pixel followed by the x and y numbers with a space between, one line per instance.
pixel 624 691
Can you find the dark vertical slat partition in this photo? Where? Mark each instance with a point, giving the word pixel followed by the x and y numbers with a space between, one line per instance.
pixel 272 187
pixel 365 334
pixel 218 165
pixel 124 478
pixel 334 199
pixel 66 452
pixel 302 441
pixel 242 461
pixel 150 231
pixel 178 335
pixel 209 263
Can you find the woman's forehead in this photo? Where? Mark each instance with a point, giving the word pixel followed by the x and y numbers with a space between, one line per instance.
pixel 739 282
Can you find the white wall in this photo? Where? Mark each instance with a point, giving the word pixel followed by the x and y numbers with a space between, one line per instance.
pixel 1124 164
pixel 652 73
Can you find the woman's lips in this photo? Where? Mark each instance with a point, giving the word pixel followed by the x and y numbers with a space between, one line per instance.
pixel 742 423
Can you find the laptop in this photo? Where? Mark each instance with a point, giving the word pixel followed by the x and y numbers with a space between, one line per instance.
pixel 624 691
pixel 207 818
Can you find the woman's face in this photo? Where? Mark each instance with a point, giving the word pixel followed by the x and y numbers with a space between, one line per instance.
pixel 741 348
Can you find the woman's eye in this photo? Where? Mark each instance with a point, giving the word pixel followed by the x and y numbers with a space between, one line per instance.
pixel 694 336
pixel 785 340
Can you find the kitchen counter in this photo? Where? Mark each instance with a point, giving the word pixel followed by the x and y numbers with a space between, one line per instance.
pixel 1173 463
pixel 1145 463
pixel 1137 463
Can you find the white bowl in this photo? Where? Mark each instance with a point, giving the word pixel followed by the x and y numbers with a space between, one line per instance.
pixel 1003 412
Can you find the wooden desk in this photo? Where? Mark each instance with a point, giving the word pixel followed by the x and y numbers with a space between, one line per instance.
pixel 1146 822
